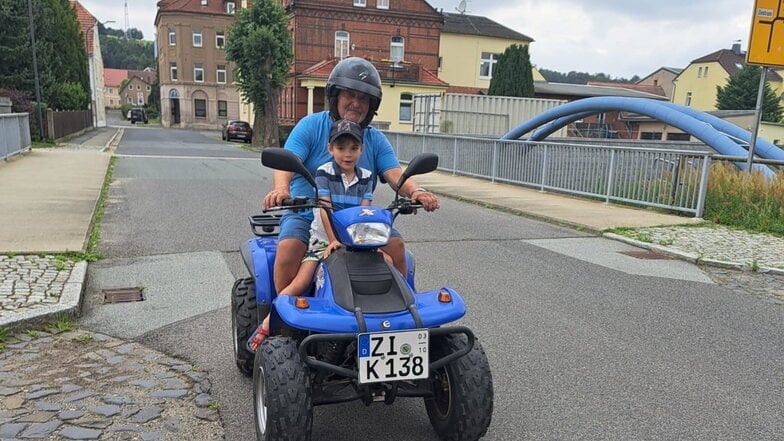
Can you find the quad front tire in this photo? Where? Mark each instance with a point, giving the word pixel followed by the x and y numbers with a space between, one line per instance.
pixel 462 405
pixel 281 392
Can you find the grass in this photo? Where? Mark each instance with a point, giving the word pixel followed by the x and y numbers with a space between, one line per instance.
pixel 751 202
pixel 64 323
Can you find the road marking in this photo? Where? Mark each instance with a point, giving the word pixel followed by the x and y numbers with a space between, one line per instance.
pixel 185 157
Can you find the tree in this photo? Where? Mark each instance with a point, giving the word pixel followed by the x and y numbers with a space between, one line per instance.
pixel 741 90
pixel 260 45
pixel 512 73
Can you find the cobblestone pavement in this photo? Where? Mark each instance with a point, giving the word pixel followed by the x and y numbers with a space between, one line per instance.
pixel 84 385
pixel 751 264
pixel 29 282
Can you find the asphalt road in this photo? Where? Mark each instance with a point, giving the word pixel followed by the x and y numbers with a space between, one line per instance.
pixel 584 342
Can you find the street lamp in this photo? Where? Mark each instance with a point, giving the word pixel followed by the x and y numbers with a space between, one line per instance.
pixel 35 70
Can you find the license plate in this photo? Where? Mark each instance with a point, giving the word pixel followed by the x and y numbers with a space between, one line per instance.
pixel 393 356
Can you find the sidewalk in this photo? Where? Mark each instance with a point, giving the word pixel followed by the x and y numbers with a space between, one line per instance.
pixel 49 197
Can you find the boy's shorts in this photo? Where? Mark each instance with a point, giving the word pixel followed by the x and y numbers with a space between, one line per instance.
pixel 297 226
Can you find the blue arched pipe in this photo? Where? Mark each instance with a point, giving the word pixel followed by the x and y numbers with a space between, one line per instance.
pixel 648 107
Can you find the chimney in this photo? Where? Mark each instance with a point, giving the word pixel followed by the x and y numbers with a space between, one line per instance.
pixel 736 47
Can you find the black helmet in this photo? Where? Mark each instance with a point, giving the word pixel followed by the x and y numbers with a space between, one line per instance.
pixel 358 74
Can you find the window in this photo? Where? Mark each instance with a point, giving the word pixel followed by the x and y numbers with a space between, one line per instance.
pixel 678 137
pixel 148 88
pixel 699 72
pixel 230 7
pixel 486 65
pixel 397 49
pixel 406 101
pixel 688 98
pixel 651 135
pixel 222 109
pixel 204 2
pixel 196 38
pixel 198 73
pixel 220 39
pixel 138 87
pixel 360 3
pixel 382 4
pixel 172 37
pixel 221 74
pixel 173 71
pixel 705 72
pixel 200 108
pixel 341 44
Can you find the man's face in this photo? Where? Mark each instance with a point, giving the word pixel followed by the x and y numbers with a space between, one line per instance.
pixel 353 105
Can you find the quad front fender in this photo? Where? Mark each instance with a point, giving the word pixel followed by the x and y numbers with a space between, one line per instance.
pixel 259 257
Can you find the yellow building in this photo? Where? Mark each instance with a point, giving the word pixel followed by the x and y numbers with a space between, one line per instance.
pixel 469 49
pixel 696 85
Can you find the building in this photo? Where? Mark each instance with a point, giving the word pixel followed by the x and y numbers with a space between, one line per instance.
pixel 112 81
pixel 696 85
pixel 196 81
pixel 92 44
pixel 400 38
pixel 470 47
pixel 664 77
pixel 135 91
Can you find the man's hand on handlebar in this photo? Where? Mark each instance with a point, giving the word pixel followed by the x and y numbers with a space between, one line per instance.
pixel 428 200
pixel 276 197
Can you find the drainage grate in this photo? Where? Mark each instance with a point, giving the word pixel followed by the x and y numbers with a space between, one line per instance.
pixel 121 295
pixel 647 255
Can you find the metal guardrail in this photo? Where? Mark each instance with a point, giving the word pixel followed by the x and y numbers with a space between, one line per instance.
pixel 669 179
pixel 14 134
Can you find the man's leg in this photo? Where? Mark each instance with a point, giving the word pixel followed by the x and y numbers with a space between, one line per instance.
pixel 287 260
pixel 293 240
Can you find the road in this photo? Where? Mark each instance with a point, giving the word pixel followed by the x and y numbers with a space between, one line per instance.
pixel 584 343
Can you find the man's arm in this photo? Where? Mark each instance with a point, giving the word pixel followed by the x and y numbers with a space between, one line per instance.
pixel 411 189
pixel 281 181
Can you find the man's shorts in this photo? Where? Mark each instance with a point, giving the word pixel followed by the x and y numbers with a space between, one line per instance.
pixel 297 226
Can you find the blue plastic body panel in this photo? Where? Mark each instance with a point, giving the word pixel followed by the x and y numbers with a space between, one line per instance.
pixel 262 250
pixel 325 316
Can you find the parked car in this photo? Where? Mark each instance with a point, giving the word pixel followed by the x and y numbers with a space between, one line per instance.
pixel 137 114
pixel 237 130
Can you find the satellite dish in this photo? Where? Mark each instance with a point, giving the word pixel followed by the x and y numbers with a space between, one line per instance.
pixel 461 8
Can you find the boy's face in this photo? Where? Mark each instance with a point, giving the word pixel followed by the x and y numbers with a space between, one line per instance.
pixel 346 151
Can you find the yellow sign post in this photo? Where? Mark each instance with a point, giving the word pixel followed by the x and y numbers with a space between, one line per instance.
pixel 766 43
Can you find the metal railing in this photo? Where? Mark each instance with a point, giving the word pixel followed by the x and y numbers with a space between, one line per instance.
pixel 14 134
pixel 669 179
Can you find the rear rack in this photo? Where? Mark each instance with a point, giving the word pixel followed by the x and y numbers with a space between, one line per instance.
pixel 265 224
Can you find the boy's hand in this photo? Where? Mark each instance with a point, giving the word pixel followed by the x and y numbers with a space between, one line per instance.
pixel 331 247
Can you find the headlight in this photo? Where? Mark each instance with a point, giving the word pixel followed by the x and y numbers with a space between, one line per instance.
pixel 369 233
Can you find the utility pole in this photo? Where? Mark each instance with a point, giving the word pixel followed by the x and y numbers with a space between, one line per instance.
pixel 35 70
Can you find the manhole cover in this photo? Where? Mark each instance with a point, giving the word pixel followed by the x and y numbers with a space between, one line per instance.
pixel 121 295
pixel 648 255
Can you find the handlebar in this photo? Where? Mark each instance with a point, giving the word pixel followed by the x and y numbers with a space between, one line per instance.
pixel 297 204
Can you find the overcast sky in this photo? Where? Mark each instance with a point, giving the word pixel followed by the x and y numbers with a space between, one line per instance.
pixel 621 38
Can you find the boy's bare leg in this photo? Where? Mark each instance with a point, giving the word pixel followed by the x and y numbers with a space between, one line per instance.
pixel 302 281
pixel 397 251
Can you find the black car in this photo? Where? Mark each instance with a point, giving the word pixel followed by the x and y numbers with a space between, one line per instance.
pixel 237 130
pixel 137 114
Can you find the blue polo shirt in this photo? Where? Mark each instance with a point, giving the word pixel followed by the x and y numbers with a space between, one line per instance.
pixel 309 141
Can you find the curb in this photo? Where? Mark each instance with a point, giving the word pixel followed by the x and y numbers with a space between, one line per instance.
pixel 690 257
pixel 69 303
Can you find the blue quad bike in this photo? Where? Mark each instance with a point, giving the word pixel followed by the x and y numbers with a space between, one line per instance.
pixel 361 333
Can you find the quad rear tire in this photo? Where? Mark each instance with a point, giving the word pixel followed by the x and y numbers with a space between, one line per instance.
pixel 462 407
pixel 244 320
pixel 281 392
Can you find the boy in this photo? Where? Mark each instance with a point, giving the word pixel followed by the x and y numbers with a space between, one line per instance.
pixel 341 184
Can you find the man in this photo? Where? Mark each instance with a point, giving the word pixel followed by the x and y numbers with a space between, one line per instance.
pixel 353 93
